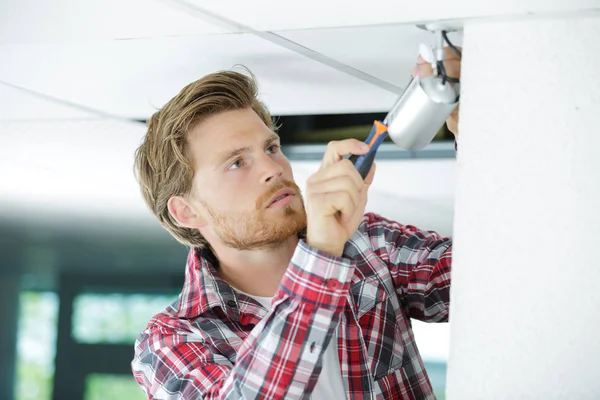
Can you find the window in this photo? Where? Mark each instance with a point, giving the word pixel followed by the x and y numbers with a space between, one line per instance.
pixel 113 387
pixel 114 318
pixel 97 318
pixel 36 345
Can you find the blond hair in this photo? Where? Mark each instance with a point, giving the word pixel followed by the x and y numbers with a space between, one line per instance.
pixel 163 164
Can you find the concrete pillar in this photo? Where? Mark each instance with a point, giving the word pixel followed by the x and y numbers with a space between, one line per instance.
pixel 525 312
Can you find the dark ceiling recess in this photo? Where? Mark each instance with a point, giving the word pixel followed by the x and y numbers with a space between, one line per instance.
pixel 305 129
pixel 323 128
pixel 299 129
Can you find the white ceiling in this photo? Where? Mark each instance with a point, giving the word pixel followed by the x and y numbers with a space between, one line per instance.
pixel 20 105
pixel 133 78
pixel 60 21
pixel 276 15
pixel 127 58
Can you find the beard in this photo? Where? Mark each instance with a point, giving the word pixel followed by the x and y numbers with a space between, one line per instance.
pixel 253 230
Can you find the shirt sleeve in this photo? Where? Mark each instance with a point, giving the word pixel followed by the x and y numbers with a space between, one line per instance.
pixel 281 357
pixel 419 262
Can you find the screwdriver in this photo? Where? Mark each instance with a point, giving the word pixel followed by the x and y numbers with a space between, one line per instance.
pixel 364 162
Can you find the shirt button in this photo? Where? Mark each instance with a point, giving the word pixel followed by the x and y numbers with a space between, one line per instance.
pixel 333 284
pixel 231 303
pixel 312 347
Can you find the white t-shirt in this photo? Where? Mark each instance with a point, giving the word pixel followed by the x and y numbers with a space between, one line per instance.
pixel 329 385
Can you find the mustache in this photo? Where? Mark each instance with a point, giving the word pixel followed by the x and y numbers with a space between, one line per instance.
pixel 277 186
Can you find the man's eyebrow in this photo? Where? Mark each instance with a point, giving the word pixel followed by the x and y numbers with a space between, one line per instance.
pixel 226 155
pixel 272 138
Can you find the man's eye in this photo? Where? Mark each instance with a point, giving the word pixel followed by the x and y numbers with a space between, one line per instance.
pixel 273 148
pixel 236 164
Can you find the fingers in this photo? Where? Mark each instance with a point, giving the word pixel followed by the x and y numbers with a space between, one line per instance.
pixel 337 149
pixel 452 122
pixel 340 184
pixel 342 203
pixel 423 68
pixel 337 188
pixel 450 54
pixel 452 68
pixel 332 203
pixel 451 64
pixel 343 168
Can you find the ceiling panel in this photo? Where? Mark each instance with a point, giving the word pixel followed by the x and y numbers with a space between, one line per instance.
pixel 275 15
pixel 18 105
pixel 387 52
pixel 70 165
pixel 34 21
pixel 133 78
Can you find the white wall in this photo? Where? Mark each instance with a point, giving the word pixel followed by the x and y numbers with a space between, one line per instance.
pixel 525 291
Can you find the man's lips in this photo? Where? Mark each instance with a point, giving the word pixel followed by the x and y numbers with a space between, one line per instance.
pixel 281 194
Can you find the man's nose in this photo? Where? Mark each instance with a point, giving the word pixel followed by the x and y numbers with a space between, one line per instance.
pixel 270 169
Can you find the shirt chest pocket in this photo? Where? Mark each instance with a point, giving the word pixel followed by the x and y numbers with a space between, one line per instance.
pixel 377 314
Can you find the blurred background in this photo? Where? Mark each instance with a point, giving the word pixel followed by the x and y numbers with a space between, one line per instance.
pixel 83 263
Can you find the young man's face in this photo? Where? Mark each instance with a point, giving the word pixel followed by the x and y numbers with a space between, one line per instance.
pixel 239 171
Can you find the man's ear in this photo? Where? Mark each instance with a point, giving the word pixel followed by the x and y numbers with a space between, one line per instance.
pixel 181 209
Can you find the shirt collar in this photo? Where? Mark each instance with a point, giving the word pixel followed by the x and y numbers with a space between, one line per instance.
pixel 204 290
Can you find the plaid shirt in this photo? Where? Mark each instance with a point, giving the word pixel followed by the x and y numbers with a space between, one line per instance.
pixel 215 343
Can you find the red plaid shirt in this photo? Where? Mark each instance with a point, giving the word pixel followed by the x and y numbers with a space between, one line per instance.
pixel 215 343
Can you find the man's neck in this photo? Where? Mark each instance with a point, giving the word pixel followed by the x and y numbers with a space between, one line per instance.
pixel 256 272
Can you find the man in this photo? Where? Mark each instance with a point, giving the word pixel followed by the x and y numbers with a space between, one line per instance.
pixel 283 298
